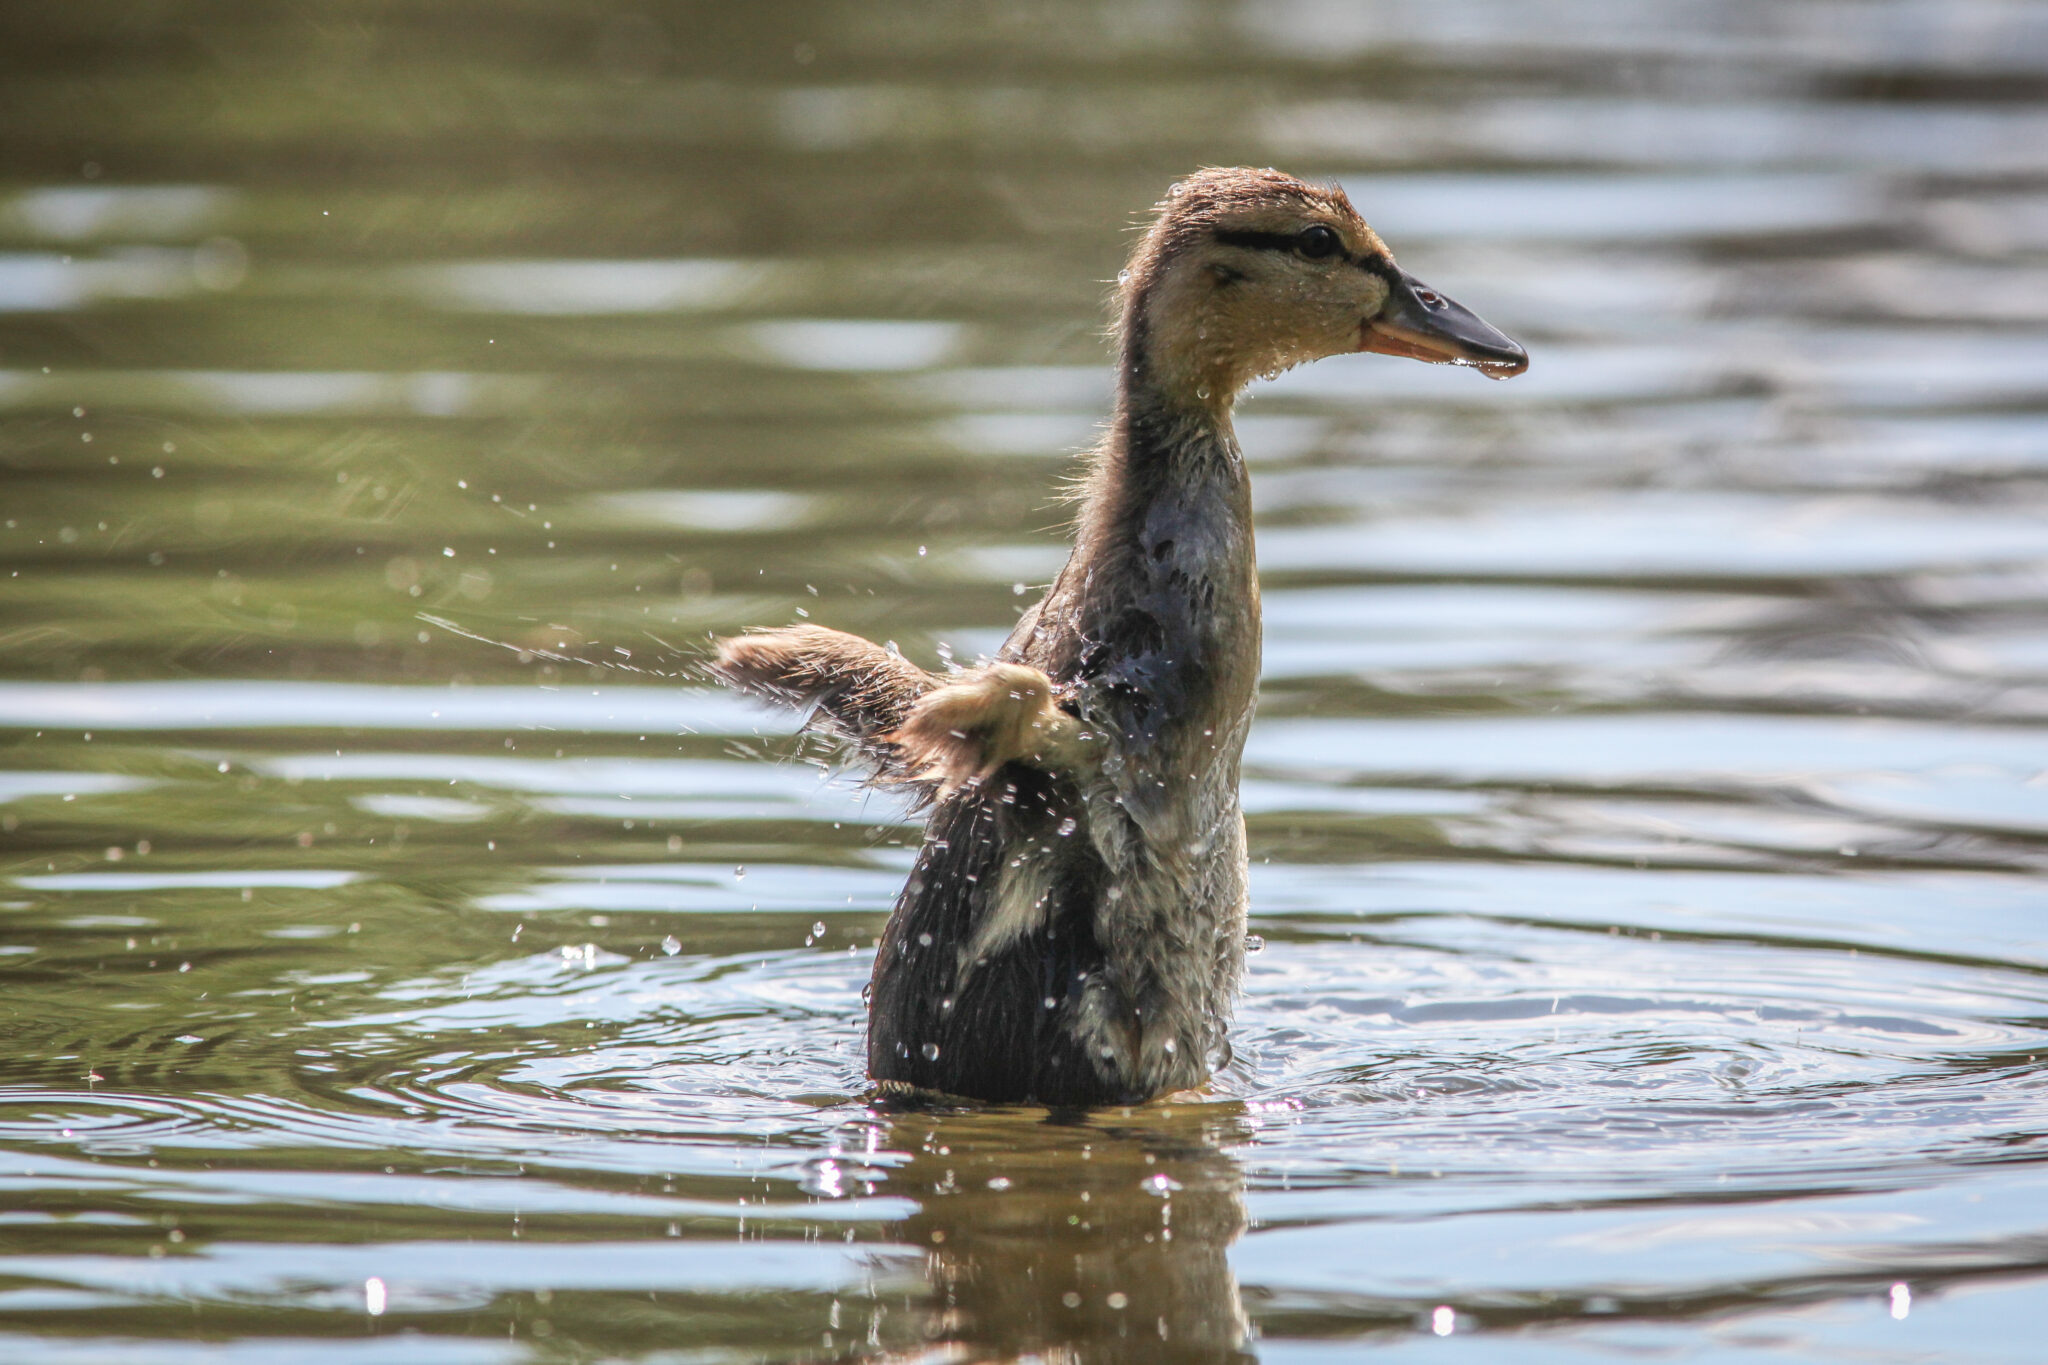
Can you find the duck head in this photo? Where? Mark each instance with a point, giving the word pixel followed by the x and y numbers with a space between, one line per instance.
pixel 1244 273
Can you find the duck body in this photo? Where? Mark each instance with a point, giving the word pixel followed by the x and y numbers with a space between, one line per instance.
pixel 1073 930
pixel 1077 937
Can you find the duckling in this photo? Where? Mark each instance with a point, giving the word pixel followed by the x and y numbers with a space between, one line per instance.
pixel 1073 930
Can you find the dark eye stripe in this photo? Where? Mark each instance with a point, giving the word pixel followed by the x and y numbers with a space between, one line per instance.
pixel 1376 264
pixel 1258 241
pixel 1372 263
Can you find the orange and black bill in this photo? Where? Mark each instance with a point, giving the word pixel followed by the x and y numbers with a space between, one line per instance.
pixel 1419 322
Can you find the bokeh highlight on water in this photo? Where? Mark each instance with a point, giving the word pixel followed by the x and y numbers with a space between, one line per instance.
pixel 404 962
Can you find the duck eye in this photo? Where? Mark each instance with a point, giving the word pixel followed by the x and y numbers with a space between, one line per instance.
pixel 1318 243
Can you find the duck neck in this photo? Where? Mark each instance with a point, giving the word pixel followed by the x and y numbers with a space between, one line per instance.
pixel 1171 371
pixel 1170 443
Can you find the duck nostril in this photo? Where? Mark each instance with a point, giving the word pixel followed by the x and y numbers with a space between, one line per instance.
pixel 1430 297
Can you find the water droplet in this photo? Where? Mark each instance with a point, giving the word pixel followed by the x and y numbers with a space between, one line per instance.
pixel 1254 943
pixel 924 940
pixel 1169 1047
pixel 739 874
pixel 1444 1320
pixel 930 1051
pixel 1123 277
pixel 1119 1300
pixel 1051 1003
pixel 818 929
pixel 999 1182
pixel 867 994
pixel 1202 392
pixel 671 945
pixel 1068 826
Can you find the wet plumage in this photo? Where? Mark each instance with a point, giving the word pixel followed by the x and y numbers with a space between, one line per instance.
pixel 1073 930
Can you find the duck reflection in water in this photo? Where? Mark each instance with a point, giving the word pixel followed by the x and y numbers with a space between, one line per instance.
pixel 1073 930
pixel 1105 1241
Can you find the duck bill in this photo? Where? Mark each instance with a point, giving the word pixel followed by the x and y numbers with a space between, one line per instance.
pixel 1422 324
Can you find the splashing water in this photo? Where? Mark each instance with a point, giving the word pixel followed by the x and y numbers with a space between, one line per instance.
pixel 1644 801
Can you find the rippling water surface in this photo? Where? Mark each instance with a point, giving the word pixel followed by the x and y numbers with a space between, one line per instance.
pixel 1649 799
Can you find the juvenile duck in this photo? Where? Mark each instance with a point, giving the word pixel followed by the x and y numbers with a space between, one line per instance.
pixel 1073 931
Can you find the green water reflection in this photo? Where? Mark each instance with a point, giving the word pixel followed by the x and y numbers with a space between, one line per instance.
pixel 403 958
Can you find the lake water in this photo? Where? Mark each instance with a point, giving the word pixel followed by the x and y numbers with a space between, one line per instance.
pixel 1648 801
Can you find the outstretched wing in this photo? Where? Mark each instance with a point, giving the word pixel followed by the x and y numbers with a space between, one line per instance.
pixel 847 686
